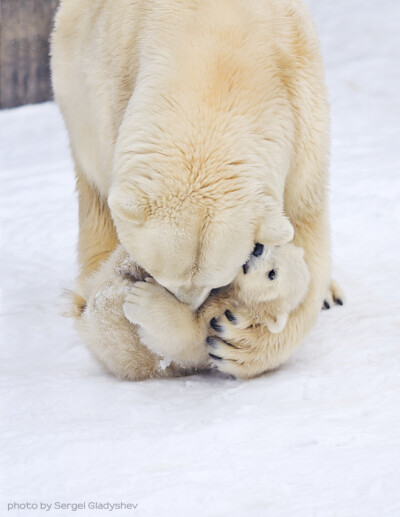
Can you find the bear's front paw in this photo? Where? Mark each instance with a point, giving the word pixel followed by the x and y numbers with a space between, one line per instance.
pixel 334 296
pixel 231 345
pixel 236 319
pixel 165 325
pixel 145 303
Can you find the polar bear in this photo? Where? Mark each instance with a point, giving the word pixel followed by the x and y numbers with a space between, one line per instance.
pixel 198 128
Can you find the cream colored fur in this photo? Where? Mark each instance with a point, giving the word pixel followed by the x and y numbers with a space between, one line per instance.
pixel 177 342
pixel 203 125
pixel 273 286
pixel 101 320
pixel 255 298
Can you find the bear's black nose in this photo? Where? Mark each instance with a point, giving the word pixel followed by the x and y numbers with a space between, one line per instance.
pixel 258 249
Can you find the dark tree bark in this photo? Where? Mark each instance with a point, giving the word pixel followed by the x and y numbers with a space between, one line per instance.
pixel 25 27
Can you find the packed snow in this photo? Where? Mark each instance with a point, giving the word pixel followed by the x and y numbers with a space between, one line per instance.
pixel 318 437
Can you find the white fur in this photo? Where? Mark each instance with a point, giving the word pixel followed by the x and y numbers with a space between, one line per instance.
pixel 273 300
pixel 204 124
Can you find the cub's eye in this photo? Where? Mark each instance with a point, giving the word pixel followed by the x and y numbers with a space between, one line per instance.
pixel 271 274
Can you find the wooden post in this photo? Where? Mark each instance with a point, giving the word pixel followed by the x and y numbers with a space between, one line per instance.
pixel 25 27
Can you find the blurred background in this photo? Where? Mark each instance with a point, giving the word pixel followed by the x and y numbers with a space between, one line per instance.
pixel 25 26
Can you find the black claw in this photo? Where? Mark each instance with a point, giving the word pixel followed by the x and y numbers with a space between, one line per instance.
pixel 215 357
pixel 230 344
pixel 338 301
pixel 326 305
pixel 214 324
pixel 230 316
pixel 258 249
pixel 210 341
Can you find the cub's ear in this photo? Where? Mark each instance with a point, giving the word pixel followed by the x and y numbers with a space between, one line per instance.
pixel 126 207
pixel 275 228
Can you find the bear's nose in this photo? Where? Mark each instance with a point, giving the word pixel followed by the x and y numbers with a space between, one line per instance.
pixel 258 249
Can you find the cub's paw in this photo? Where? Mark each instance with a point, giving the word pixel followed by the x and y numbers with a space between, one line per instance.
pixel 235 319
pixel 147 303
pixel 334 296
pixel 231 346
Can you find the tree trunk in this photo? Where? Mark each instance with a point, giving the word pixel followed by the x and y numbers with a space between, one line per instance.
pixel 25 27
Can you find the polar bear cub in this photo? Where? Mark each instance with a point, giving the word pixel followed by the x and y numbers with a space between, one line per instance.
pixel 270 285
pixel 273 283
pixel 133 316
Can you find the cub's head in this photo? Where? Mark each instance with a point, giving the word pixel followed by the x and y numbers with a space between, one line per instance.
pixel 193 242
pixel 273 272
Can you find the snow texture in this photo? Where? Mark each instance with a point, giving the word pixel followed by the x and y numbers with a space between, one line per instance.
pixel 318 437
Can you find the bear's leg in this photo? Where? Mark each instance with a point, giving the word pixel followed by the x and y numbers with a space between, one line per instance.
pixel 333 296
pixel 97 234
pixel 166 326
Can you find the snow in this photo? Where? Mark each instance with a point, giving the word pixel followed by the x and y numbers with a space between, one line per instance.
pixel 318 437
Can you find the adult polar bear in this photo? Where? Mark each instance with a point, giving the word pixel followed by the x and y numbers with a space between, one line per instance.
pixel 195 125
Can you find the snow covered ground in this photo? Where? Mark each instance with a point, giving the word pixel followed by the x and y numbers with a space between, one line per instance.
pixel 318 437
